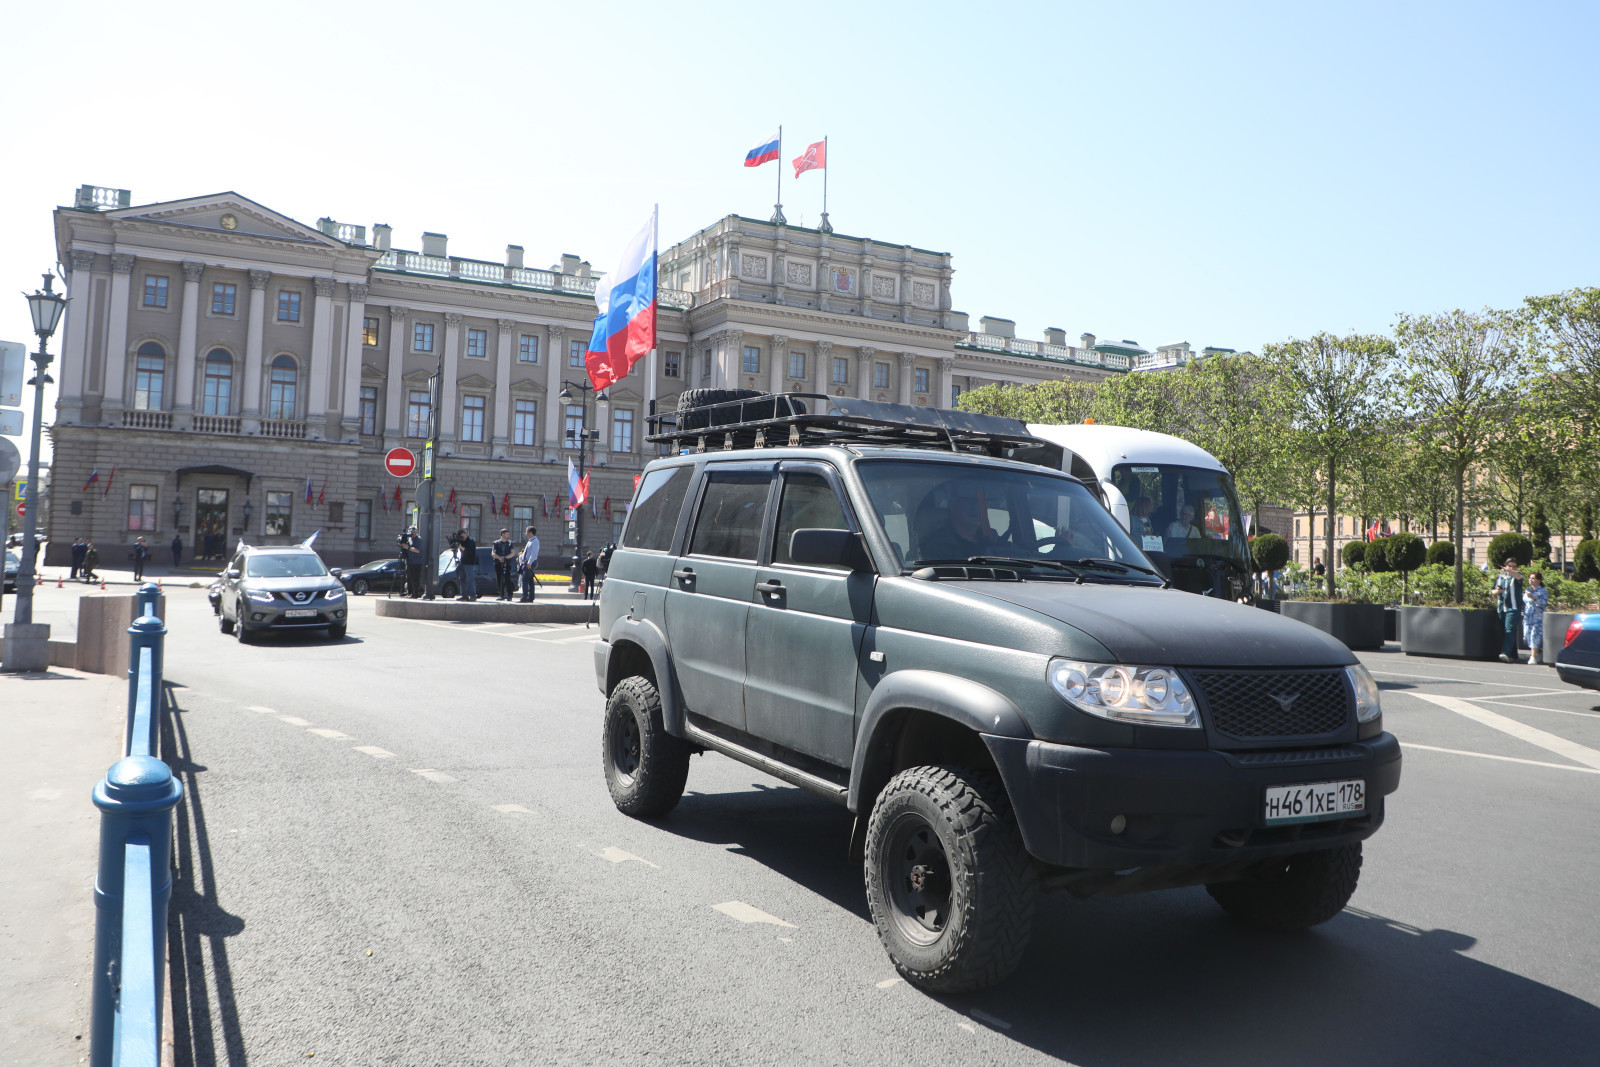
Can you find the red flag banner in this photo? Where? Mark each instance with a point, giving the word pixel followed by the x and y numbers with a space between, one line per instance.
pixel 815 157
pixel 109 480
pixel 505 505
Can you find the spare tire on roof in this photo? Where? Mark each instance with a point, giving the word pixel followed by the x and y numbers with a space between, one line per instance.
pixel 696 410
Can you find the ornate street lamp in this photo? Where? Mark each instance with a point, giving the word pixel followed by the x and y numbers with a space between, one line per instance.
pixel 45 306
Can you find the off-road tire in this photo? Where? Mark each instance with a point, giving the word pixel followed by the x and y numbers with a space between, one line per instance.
pixel 964 819
pixel 337 631
pixel 646 767
pixel 1294 892
pixel 359 587
pixel 223 621
pixel 240 630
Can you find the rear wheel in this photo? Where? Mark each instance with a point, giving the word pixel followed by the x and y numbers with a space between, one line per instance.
pixel 359 587
pixel 950 886
pixel 646 767
pixel 449 589
pixel 1294 892
pixel 223 621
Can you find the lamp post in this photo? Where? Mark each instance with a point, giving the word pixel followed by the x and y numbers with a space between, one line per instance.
pixel 177 512
pixel 584 435
pixel 46 306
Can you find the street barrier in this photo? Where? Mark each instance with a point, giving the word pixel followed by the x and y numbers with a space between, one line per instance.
pixel 134 882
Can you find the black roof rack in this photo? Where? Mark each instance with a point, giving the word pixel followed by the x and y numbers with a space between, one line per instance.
pixel 773 420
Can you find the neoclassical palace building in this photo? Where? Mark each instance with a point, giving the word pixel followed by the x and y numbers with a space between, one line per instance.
pixel 229 371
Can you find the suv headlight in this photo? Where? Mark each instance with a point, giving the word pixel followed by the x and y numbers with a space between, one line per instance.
pixel 333 594
pixel 1155 696
pixel 258 596
pixel 1368 706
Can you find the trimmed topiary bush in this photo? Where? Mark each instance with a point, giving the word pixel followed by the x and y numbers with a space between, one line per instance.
pixel 1354 552
pixel 1509 545
pixel 1586 561
pixel 1270 552
pixel 1377 557
pixel 1442 552
pixel 1405 552
pixel 1540 531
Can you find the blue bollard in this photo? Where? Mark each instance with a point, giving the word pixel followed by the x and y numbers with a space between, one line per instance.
pixel 149 597
pixel 145 639
pixel 135 801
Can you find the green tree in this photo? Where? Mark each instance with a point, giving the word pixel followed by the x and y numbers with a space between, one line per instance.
pixel 1377 556
pixel 1460 373
pixel 1565 331
pixel 1332 404
pixel 1145 401
pixel 1236 408
pixel 1058 403
pixel 1586 561
pixel 1442 553
pixel 1354 552
pixel 1509 545
pixel 1406 553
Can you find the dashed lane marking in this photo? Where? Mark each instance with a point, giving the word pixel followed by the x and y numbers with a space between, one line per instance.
pixel 294 720
pixel 262 710
pixel 375 752
pixel 1524 696
pixel 887 982
pixel 738 909
pixel 616 855
pixel 1503 759
pixel 1520 730
pixel 430 774
pixel 989 1020
pixel 513 809
pixel 323 731
pixel 1535 707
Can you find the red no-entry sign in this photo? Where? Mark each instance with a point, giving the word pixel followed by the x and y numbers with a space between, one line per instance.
pixel 399 462
pixel 22 509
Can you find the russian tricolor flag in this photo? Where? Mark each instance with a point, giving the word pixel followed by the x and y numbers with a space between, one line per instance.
pixel 625 328
pixel 765 152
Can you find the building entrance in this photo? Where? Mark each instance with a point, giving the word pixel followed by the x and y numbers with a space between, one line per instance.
pixel 211 523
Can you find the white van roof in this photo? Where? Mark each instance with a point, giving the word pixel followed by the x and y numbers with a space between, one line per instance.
pixel 1103 447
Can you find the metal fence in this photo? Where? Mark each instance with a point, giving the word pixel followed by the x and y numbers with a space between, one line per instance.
pixel 136 799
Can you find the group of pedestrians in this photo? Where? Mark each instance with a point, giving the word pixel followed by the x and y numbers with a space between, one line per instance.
pixel 1521 607
pixel 85 558
pixel 511 564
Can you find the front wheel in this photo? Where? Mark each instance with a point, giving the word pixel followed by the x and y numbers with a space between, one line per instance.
pixel 337 631
pixel 359 587
pixel 223 621
pixel 240 630
pixel 950 886
pixel 646 767
pixel 1294 892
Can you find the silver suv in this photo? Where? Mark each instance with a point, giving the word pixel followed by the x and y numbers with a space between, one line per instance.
pixel 279 588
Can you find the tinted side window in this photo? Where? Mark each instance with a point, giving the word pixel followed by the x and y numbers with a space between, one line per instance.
pixel 655 509
pixel 808 502
pixel 731 514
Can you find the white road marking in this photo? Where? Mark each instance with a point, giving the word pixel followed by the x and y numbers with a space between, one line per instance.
pixel 1438 678
pixel 262 710
pixel 1503 759
pixel 294 720
pixel 574 640
pixel 738 909
pixel 1520 730
pixel 323 731
pixel 375 752
pixel 45 794
pixel 887 982
pixel 430 774
pixel 1535 707
pixel 616 855
pixel 513 809
pixel 989 1020
pixel 1535 693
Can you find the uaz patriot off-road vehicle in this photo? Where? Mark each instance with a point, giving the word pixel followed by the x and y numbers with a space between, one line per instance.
pixel 871 602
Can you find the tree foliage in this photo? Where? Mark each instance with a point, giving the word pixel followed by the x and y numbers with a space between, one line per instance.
pixel 1354 552
pixel 1054 403
pixel 1586 561
pixel 1510 545
pixel 1442 552
pixel 1377 556
pixel 1269 552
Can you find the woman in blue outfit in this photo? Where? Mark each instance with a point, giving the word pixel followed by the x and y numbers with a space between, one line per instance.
pixel 1535 599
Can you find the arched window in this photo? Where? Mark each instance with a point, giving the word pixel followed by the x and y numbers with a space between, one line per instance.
pixel 218 398
pixel 280 399
pixel 149 377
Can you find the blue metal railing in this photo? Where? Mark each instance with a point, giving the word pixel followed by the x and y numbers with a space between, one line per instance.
pixel 134 882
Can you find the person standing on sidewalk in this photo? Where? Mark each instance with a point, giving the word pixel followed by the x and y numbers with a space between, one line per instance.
pixel 467 567
pixel 1534 600
pixel 141 554
pixel 528 564
pixel 411 555
pixel 591 572
pixel 1508 605
pixel 91 560
pixel 177 550
pixel 79 547
pixel 504 554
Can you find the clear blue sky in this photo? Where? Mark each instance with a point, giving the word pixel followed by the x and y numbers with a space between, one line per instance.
pixel 1228 174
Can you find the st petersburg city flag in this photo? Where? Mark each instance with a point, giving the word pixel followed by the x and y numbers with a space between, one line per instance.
pixel 625 328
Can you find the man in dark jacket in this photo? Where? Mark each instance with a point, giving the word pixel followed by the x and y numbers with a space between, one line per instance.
pixel 591 571
pixel 467 566
pixel 411 555
pixel 177 550
pixel 141 554
pixel 505 565
pixel 79 547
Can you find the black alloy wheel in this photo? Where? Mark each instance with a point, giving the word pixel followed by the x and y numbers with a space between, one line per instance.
pixel 359 587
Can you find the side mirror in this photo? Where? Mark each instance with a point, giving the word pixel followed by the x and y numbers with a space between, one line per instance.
pixel 829 548
pixel 230 574
pixel 335 571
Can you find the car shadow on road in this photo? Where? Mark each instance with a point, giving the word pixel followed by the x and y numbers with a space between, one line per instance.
pixel 197 925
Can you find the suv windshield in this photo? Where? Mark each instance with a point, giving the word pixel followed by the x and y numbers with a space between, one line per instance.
pixel 284 565
pixel 949 512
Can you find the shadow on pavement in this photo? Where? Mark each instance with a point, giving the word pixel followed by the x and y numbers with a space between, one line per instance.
pixel 197 925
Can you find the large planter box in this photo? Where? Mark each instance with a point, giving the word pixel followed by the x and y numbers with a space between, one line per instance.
pixel 1470 633
pixel 1555 632
pixel 1268 605
pixel 1359 626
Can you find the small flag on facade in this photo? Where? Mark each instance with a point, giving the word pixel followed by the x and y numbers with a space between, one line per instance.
pixel 505 505
pixel 94 476
pixel 322 494
pixel 109 480
pixel 397 496
pixel 308 489
pixel 383 498
pixel 544 506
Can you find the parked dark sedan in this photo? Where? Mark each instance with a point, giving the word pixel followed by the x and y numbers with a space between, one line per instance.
pixel 378 576
pixel 13 564
pixel 1578 663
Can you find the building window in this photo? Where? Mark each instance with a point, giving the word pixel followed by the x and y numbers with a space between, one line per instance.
pixel 280 507
pixel 472 520
pixel 363 520
pixel 622 431
pixel 288 305
pixel 222 297
pixel 369 409
pixel 155 291
pixel 525 423
pixel 574 424
pixel 521 519
pixel 575 351
pixel 797 364
pixel 955 395
pixel 880 375
pixel 141 507
pixel 1297 527
pixel 528 349
pixel 218 398
pixel 920 377
pixel 369 331
pixel 149 376
pixel 417 414
pixel 478 344
pixel 752 359
pixel 422 337
pixel 705 365
pixel 280 397
pixel 670 363
pixel 841 371
pixel 472 419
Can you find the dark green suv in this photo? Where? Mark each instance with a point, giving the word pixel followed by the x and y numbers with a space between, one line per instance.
pixel 974 657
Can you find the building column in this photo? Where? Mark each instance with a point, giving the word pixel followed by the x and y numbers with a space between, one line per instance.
pixel 502 389
pixel 908 363
pixel 778 373
pixel 941 398
pixel 255 341
pixel 864 372
pixel 822 373
pixel 188 331
pixel 555 412
pixel 117 339
pixel 353 350
pixel 75 342
pixel 394 405
pixel 725 375
pixel 447 388
pixel 321 354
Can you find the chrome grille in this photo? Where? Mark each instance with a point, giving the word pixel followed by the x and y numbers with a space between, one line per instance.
pixel 1274 704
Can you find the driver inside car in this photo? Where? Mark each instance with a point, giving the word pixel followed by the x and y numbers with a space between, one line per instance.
pixel 963 529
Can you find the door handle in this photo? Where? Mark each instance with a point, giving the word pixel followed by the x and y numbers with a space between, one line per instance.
pixel 684 574
pixel 771 587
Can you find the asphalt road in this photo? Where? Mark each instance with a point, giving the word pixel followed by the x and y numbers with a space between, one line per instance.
pixel 399 849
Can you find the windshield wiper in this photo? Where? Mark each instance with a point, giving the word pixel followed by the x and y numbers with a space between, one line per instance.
pixel 1106 563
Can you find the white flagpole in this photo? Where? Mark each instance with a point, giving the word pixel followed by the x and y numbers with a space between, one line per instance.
pixel 778 213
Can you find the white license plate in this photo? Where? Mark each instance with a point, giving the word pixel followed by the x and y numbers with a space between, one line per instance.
pixel 299 613
pixel 1315 801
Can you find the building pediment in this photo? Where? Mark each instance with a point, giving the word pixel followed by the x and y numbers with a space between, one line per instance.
pixel 419 376
pixel 475 381
pixel 225 214
pixel 527 384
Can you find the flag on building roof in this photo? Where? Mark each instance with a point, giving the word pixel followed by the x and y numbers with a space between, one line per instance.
pixel 765 152
pixel 577 488
pixel 815 157
pixel 625 328
pixel 94 476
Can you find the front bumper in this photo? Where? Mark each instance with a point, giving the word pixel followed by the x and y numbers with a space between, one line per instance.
pixel 274 616
pixel 1180 807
